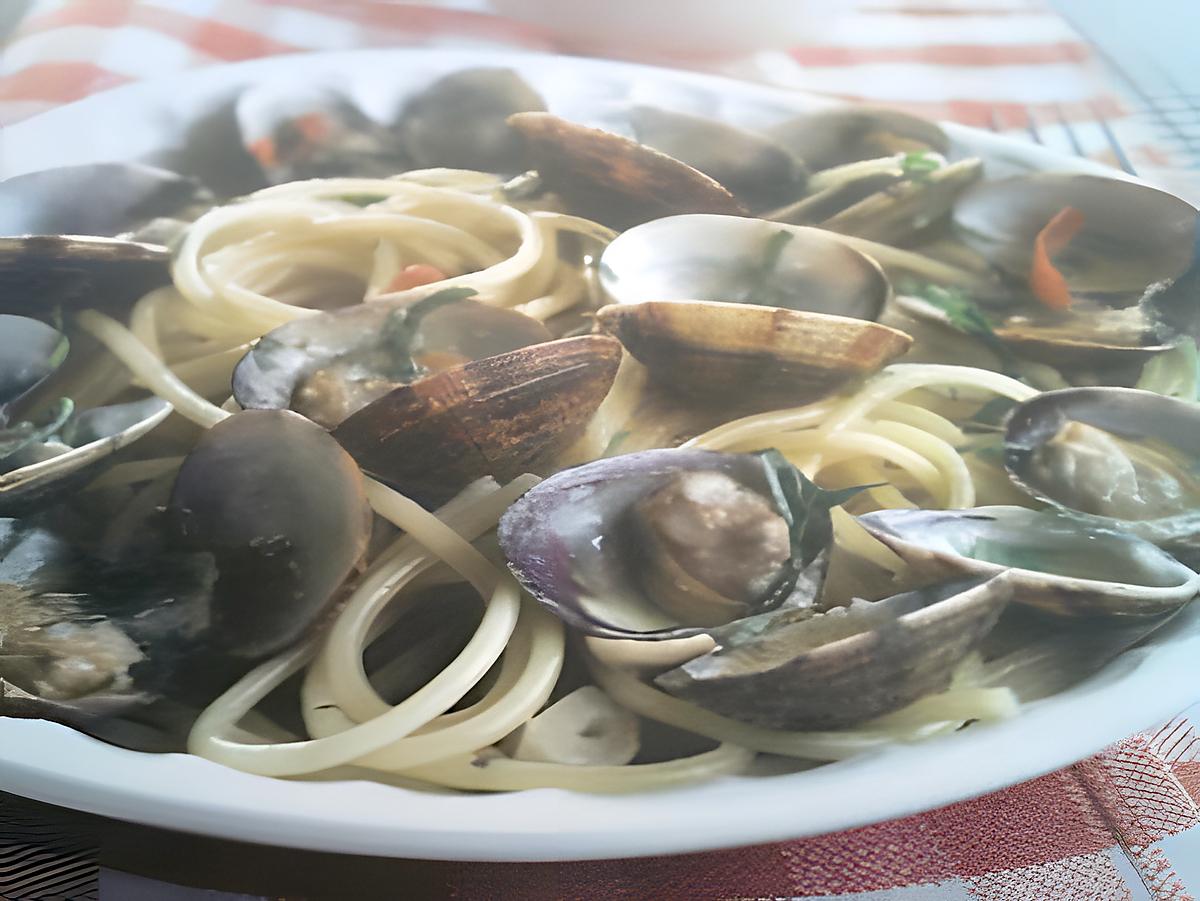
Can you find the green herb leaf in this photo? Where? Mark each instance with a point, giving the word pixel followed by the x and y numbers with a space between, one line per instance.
pixel 400 328
pixel 918 164
pixel 963 314
pixel 761 290
pixel 21 435
pixel 1175 372
pixel 360 200
pixel 805 507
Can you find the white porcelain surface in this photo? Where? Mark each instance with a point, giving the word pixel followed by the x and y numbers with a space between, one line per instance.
pixel 48 762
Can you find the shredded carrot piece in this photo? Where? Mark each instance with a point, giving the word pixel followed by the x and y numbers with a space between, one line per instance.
pixel 263 150
pixel 1047 283
pixel 414 276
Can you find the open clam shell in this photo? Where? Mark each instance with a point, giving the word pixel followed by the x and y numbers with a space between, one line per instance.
pixel 1122 458
pixel 756 169
pixel 835 137
pixel 723 350
pixel 503 416
pixel 30 351
pixel 96 435
pixel 613 180
pixel 1132 235
pixel 578 544
pixel 838 668
pixel 734 259
pixel 55 250
pixel 1057 563
pixel 332 364
pixel 297 132
pixel 460 121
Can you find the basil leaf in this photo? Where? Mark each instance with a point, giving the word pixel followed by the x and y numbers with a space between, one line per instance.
pixel 401 327
pixel 805 508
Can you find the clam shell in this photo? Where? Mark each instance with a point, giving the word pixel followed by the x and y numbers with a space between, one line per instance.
pixel 112 428
pixel 839 668
pixel 1099 572
pixel 283 510
pixel 838 136
pixel 776 356
pixel 1125 412
pixel 612 179
pixel 460 121
pixel 708 257
pixel 565 539
pixel 268 376
pixel 1132 237
pixel 503 416
pixel 753 167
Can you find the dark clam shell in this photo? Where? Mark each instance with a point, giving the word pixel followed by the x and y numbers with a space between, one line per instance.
pixel 503 416
pixel 55 250
pixel 459 121
pixel 268 376
pixel 30 351
pixel 836 669
pixel 613 180
pixel 282 509
pixel 567 543
pixel 753 167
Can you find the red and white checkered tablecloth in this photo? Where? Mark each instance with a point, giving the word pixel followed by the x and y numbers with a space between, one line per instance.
pixel 1122 825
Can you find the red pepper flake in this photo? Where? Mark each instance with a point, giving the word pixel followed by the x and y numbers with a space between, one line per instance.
pixel 1047 283
pixel 415 276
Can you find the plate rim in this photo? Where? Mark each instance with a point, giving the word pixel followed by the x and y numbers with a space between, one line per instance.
pixel 175 791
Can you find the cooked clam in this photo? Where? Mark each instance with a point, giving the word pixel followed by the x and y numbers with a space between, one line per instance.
pixel 47 448
pixel 736 260
pixel 502 415
pixel 1057 562
pixel 56 251
pixel 895 214
pixel 799 669
pixel 1128 236
pixel 333 364
pixel 88 637
pixel 459 121
pixel 296 132
pixel 753 167
pixel 283 511
pixel 267 518
pixel 721 351
pixel 666 544
pixel 837 136
pixel 58 461
pixel 613 180
pixel 1121 457
pixel 30 351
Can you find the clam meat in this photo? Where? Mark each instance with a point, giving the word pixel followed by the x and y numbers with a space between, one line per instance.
pixel 1118 456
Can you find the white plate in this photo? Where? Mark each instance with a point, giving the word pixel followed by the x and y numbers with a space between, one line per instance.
pixel 50 763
